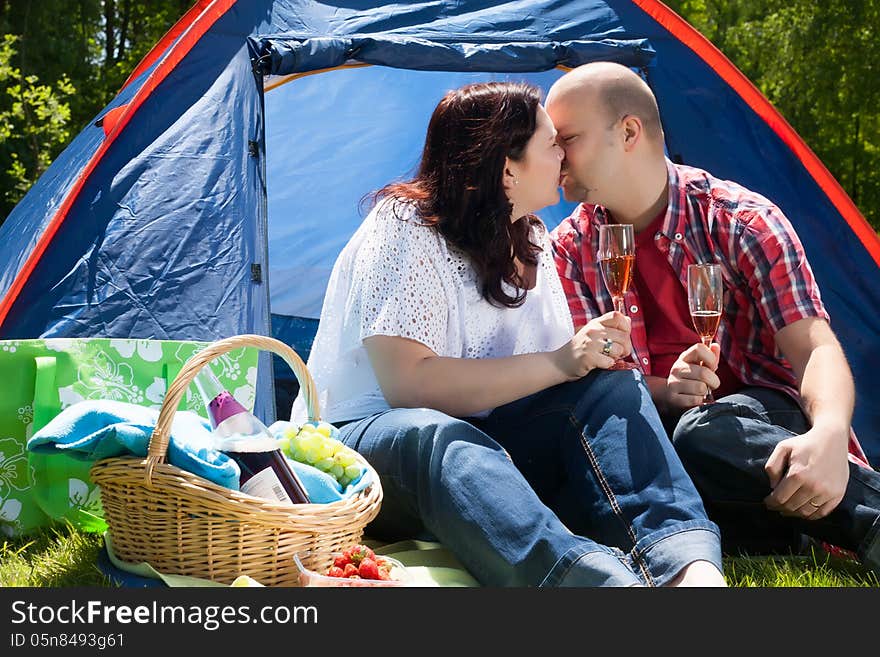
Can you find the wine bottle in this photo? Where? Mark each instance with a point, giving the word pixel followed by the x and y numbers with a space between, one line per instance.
pixel 265 471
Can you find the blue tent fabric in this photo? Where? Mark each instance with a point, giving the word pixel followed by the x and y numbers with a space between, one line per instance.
pixel 219 207
pixel 285 56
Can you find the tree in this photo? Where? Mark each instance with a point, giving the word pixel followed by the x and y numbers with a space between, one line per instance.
pixel 89 45
pixel 34 121
pixel 815 62
pixel 96 43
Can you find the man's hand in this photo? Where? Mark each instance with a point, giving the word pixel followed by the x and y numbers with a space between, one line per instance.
pixel 808 473
pixel 813 466
pixel 691 376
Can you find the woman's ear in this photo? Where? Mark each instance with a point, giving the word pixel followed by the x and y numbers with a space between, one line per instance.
pixel 509 180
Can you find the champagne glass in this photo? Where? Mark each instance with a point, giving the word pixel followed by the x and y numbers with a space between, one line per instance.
pixel 704 300
pixel 617 260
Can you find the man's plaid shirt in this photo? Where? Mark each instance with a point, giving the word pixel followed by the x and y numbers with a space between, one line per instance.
pixel 768 283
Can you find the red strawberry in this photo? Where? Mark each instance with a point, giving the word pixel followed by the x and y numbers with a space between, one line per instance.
pixel 349 570
pixel 368 569
pixel 383 574
pixel 335 571
pixel 359 552
pixel 342 561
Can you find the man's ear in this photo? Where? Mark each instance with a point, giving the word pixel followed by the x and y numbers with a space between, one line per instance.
pixel 632 132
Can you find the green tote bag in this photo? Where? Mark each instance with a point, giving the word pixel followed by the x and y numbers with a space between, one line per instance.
pixel 40 378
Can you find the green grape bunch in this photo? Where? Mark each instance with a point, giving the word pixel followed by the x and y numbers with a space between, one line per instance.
pixel 315 446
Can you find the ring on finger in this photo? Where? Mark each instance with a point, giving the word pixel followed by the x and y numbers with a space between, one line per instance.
pixel 606 348
pixel 814 505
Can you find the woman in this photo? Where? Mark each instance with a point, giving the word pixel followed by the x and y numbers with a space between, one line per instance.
pixel 446 354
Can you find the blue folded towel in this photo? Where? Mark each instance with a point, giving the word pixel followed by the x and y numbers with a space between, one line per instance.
pixel 96 429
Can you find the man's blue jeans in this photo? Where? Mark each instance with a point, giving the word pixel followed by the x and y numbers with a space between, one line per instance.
pixel 724 447
pixel 591 457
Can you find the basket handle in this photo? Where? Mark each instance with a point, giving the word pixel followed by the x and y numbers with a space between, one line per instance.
pixel 160 437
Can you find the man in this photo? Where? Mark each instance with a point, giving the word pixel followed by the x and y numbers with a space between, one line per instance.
pixel 774 457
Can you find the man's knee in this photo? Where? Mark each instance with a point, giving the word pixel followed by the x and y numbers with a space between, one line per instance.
pixel 723 424
pixel 701 431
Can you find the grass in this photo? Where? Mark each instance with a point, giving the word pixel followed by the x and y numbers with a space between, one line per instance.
pixel 63 557
pixel 58 556
pixel 816 570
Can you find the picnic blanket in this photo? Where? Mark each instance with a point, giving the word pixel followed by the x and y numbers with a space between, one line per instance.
pixel 430 564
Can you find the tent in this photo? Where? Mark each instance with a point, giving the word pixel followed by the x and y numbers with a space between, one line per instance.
pixel 211 196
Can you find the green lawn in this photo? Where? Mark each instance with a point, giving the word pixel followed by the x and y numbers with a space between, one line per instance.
pixel 62 557
pixel 57 556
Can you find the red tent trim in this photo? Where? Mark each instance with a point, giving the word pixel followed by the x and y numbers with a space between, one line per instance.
pixel 170 37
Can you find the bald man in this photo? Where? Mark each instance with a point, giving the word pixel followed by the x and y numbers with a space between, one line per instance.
pixel 774 457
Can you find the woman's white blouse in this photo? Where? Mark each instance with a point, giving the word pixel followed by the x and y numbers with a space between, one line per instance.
pixel 399 277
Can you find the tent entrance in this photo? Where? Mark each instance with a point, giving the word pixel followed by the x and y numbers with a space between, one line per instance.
pixel 331 139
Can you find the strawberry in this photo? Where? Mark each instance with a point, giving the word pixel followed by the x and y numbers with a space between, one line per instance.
pixel 368 569
pixel 359 552
pixel 383 574
pixel 349 570
pixel 342 561
pixel 335 571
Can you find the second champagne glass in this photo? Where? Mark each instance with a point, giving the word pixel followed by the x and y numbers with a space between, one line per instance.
pixel 705 291
pixel 617 260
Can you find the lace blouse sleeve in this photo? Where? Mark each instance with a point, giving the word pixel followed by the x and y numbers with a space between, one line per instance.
pixel 398 283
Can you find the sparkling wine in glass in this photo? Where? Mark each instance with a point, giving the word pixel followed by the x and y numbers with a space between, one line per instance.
pixel 704 300
pixel 617 260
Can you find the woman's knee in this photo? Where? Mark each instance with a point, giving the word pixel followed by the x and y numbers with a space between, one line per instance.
pixel 608 391
pixel 600 380
pixel 439 433
pixel 422 430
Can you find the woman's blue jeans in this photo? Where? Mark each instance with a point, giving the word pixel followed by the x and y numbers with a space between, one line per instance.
pixel 594 494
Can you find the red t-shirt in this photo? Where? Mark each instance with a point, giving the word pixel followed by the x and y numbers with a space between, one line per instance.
pixel 666 316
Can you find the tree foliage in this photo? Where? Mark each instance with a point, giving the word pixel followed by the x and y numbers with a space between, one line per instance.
pixel 52 47
pixel 815 61
pixel 33 124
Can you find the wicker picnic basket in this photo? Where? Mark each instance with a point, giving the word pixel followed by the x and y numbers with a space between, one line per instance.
pixel 182 524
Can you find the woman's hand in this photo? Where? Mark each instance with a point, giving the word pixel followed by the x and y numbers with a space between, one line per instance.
pixel 584 352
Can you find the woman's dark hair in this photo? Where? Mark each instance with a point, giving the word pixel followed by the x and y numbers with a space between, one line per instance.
pixel 458 188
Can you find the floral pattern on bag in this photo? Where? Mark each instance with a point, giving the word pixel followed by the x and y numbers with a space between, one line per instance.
pixel 147 350
pixel 84 496
pixel 26 417
pixel 110 379
pixel 13 477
